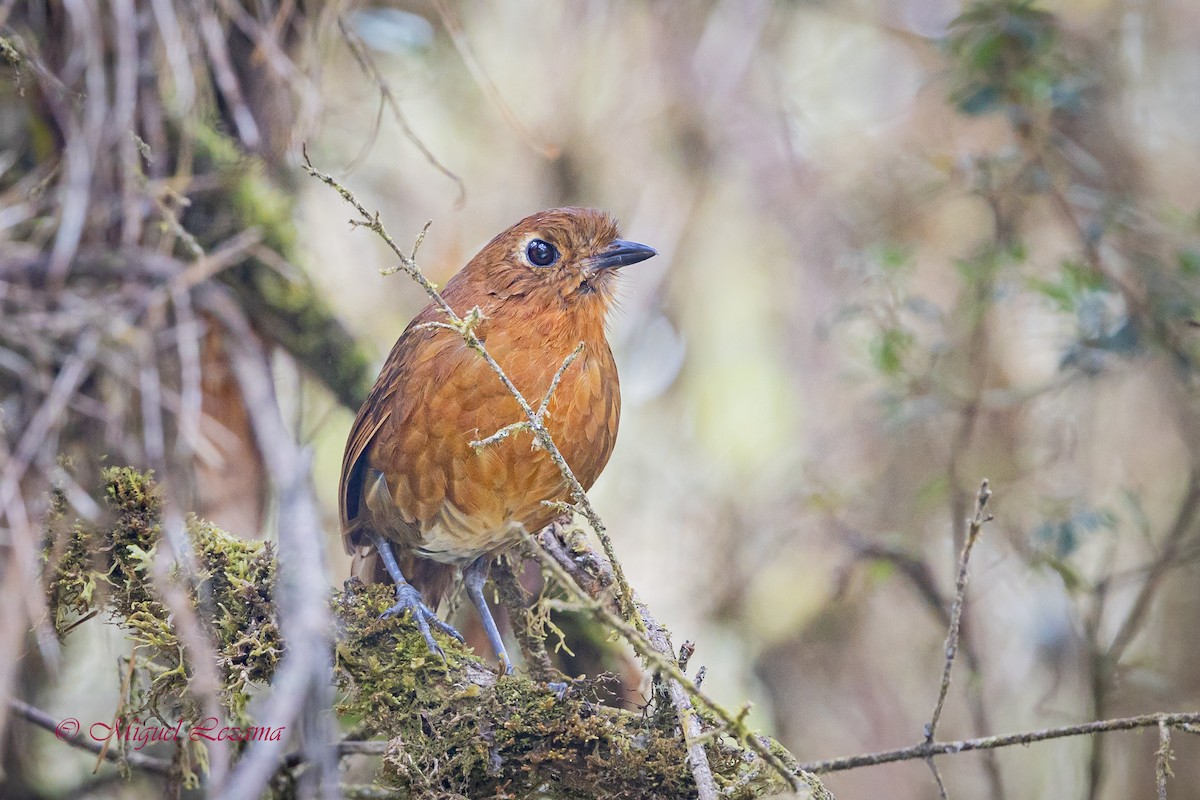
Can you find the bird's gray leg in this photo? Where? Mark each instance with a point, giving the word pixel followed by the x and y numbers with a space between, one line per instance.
pixel 409 599
pixel 474 577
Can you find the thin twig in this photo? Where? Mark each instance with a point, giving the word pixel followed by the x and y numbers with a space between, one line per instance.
pixel 1162 763
pixel 499 436
pixel 176 52
pixel 388 97
pixel 191 396
pixel 74 371
pixel 567 362
pixel 1184 523
pixel 689 724
pixel 927 749
pixel 974 526
pixel 971 414
pixel 937 778
pixel 455 28
pixel 225 77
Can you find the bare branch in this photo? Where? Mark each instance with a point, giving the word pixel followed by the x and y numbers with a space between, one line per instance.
pixel 226 78
pixel 1182 721
pixel 706 785
pixel 974 526
pixel 302 689
pixel 1163 758
pixel 386 96
pixel 500 435
pixel 937 778
pixel 1185 521
pixel 568 361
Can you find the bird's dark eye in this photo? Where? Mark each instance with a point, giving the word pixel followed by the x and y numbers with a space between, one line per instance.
pixel 540 253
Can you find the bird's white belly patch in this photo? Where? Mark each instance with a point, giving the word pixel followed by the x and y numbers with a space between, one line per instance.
pixel 454 538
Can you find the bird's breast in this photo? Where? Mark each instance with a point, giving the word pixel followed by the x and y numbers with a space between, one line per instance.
pixel 463 501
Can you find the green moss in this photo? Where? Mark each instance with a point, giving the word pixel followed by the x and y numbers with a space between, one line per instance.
pixel 110 568
pixel 452 726
pixel 452 733
pixel 261 203
pixel 286 308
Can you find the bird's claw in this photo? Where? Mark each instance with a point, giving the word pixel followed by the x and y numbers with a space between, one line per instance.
pixel 409 600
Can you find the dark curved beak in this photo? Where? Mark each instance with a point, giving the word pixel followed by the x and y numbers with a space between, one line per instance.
pixel 621 254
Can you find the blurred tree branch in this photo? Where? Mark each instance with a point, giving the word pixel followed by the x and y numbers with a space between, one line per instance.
pixel 135 760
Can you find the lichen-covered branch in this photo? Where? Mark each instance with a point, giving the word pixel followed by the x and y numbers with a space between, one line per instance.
pixel 450 727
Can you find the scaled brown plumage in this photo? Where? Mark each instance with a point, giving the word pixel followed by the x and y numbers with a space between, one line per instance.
pixel 410 477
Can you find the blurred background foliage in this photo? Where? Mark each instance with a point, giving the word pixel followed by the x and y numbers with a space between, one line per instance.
pixel 904 246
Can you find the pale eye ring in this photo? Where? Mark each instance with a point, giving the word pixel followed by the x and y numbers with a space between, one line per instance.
pixel 541 253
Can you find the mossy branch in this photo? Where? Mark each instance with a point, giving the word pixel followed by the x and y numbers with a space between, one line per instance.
pixel 283 302
pixel 658 655
pixel 450 727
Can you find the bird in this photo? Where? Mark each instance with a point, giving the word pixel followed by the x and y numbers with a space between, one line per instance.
pixel 421 500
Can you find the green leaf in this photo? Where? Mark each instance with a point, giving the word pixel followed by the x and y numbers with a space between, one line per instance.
pixel 1189 262
pixel 889 350
pixel 1058 293
pixel 894 257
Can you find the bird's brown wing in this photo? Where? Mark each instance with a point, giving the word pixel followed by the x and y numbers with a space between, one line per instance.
pixel 402 385
pixel 373 415
pixel 408 431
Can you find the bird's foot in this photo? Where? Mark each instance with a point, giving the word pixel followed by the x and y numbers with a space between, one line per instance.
pixel 409 599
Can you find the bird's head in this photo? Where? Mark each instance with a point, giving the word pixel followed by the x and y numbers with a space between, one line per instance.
pixel 565 258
